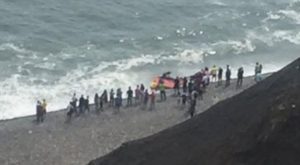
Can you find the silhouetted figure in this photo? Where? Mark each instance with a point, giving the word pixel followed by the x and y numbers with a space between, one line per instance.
pixel 228 76
pixel 184 98
pixel 119 99
pixel 87 104
pixel 193 103
pixel 74 103
pixel 146 98
pixel 129 96
pixel 142 87
pixel 97 103
pixel 111 98
pixel 39 112
pixel 190 87
pixel 105 96
pixel 137 95
pixel 152 100
pixel 176 86
pixel 220 76
pixel 240 77
pixel 162 89
pixel 184 84
pixel 81 104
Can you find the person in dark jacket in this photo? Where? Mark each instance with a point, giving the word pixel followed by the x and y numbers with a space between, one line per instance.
pixel 184 84
pixel 240 77
pixel 228 76
pixel 87 104
pixel 81 104
pixel 96 101
pixel 176 86
pixel 220 76
pixel 39 112
pixel 105 96
pixel 129 97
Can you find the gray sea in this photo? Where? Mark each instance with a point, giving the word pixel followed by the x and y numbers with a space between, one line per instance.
pixel 51 49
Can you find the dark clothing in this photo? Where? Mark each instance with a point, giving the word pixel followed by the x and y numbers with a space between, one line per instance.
pixel 240 77
pixel 87 105
pixel 39 114
pixel 192 108
pixel 184 84
pixel 129 97
pixel 96 101
pixel 81 104
pixel 146 98
pixel 176 86
pixel 105 96
pixel 142 87
pixel 101 103
pixel 220 74
pixel 228 77
pixel 111 98
pixel 184 98
pixel 190 87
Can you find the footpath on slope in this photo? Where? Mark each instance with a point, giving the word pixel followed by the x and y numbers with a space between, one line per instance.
pixel 90 136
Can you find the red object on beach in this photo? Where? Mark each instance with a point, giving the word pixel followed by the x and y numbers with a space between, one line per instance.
pixel 167 81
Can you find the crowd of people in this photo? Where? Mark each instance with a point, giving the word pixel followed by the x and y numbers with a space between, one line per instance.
pixel 188 91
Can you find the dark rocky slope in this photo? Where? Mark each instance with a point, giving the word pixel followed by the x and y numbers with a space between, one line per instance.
pixel 260 126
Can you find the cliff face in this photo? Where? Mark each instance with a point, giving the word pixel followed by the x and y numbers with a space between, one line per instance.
pixel 260 126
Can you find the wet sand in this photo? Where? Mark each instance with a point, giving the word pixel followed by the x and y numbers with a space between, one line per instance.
pixel 89 136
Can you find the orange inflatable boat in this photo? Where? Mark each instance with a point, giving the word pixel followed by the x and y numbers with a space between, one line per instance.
pixel 167 81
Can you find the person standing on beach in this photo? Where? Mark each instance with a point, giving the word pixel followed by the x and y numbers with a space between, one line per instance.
pixel 129 97
pixel 105 96
pixel 44 106
pixel 137 95
pixel 119 96
pixel 96 101
pixel 240 76
pixel 152 100
pixel 184 98
pixel 142 87
pixel 111 98
pixel 193 103
pixel 142 92
pixel 162 89
pixel 176 86
pixel 220 76
pixel 74 103
pixel 258 72
pixel 228 76
pixel 39 112
pixel 87 104
pixel 213 73
pixel 70 111
pixel 184 84
pixel 146 98
pixel 190 87
pixel 81 104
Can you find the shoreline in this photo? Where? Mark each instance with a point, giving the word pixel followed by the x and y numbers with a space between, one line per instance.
pixel 124 100
pixel 90 135
pixel 92 105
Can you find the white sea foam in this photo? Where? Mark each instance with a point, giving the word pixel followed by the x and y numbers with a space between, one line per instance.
pixel 292 37
pixel 13 47
pixel 239 47
pixel 292 14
